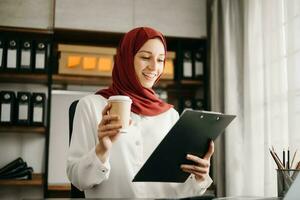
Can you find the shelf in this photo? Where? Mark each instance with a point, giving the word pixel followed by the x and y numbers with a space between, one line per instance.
pixel 94 80
pixel 80 80
pixel 22 129
pixel 37 180
pixel 7 77
pixel 60 187
pixel 191 82
pixel 106 81
pixel 59 191
pixel 164 83
pixel 25 30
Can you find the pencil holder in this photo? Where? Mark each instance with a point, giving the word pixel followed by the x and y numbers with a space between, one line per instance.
pixel 285 178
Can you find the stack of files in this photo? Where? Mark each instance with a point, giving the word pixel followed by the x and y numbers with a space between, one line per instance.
pixel 17 169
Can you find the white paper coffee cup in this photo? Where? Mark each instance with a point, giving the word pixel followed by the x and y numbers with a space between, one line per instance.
pixel 121 106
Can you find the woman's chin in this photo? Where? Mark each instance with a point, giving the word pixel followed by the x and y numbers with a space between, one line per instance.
pixel 148 85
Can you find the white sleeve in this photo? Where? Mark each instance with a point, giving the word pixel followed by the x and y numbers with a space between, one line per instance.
pixel 84 169
pixel 191 187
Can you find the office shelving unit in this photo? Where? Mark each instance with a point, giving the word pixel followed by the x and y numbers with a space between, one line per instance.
pixel 33 78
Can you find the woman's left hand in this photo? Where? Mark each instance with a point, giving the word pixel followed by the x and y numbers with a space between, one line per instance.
pixel 201 167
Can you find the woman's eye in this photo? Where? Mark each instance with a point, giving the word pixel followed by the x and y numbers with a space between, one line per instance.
pixel 145 58
pixel 161 60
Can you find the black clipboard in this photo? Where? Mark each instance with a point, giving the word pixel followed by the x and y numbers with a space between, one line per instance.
pixel 190 134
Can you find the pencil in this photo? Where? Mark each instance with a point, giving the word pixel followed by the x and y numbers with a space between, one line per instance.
pixel 277 157
pixel 277 161
pixel 293 158
pixel 288 159
pixel 283 158
pixel 280 166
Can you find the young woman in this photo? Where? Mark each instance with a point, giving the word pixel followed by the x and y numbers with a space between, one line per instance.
pixel 101 160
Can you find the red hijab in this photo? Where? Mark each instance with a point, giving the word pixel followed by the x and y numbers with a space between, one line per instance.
pixel 125 81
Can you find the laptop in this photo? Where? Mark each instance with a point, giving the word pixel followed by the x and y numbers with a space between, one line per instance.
pixel 294 192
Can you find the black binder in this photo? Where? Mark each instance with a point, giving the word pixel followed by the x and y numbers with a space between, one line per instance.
pixel 199 104
pixel 16 169
pixel 11 166
pixel 37 109
pixel 25 56
pixel 191 134
pixel 22 174
pixel 23 108
pixel 185 103
pixel 187 65
pixel 199 63
pixel 12 55
pixel 7 105
pixel 40 58
pixel 2 55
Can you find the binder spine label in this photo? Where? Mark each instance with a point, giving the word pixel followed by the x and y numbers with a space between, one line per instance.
pixel 1 55
pixel 23 112
pixel 40 60
pixel 5 112
pixel 38 114
pixel 11 58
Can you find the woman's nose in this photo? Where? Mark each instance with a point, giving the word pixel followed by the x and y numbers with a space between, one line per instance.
pixel 153 64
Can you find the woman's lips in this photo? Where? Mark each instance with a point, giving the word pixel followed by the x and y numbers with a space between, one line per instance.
pixel 149 76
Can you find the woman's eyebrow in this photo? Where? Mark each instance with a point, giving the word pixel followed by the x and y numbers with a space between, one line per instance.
pixel 145 51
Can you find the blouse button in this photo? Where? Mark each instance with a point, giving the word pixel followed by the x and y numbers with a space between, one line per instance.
pixel 137 143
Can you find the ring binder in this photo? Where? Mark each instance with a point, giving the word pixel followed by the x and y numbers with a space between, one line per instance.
pixel 7 102
pixel 185 102
pixel 40 61
pixel 198 63
pixel 16 169
pixel 199 104
pixel 37 108
pixel 23 108
pixel 12 165
pixel 26 56
pixel 12 55
pixel 1 53
pixel 187 68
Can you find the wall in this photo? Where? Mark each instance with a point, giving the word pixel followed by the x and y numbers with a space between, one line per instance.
pixel 29 13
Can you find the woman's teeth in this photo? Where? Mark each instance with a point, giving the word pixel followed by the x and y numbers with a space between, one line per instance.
pixel 150 75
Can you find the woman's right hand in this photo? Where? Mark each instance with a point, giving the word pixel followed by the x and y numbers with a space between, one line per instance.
pixel 108 131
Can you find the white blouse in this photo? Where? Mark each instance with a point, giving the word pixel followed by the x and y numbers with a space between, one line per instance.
pixel 129 152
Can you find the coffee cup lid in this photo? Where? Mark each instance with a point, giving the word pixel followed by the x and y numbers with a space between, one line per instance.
pixel 119 98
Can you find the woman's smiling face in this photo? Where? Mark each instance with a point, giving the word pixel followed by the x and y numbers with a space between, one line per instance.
pixel 149 62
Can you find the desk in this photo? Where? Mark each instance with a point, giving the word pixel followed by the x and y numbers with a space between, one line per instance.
pixel 194 198
pixel 248 198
